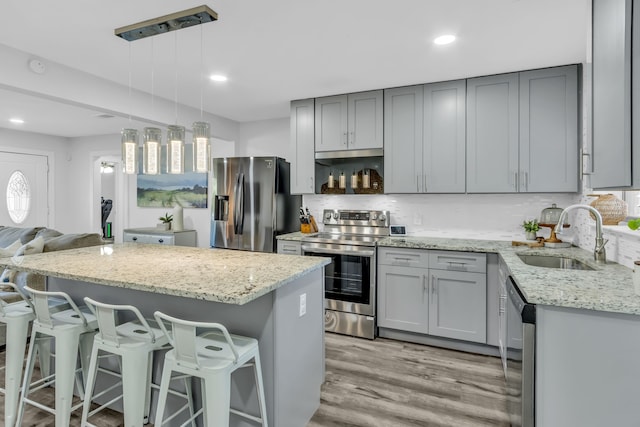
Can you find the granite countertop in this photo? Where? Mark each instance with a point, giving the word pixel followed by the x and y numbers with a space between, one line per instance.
pixel 227 276
pixel 296 236
pixel 608 288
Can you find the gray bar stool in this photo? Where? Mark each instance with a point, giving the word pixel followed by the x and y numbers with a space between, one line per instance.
pixel 211 356
pixel 72 330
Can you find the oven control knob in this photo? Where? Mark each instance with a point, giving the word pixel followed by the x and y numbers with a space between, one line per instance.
pixel 335 215
pixel 382 218
pixel 374 216
pixel 327 215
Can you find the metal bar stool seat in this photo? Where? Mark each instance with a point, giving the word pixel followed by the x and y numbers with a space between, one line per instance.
pixel 17 317
pixel 72 331
pixel 133 343
pixel 212 357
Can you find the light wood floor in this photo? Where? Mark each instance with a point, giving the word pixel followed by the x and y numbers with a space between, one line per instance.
pixel 384 383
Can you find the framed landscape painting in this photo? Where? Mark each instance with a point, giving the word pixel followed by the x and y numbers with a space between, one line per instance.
pixel 189 190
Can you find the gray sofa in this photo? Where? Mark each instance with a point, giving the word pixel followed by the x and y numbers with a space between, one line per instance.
pixel 53 241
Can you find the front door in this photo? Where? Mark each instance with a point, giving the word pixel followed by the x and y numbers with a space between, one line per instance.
pixel 23 190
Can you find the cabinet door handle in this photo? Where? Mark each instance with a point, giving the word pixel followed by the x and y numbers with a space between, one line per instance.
pixel 433 286
pixel 516 180
pixel 425 286
pixel 526 181
pixel 424 181
pixel 160 240
pixel 134 239
pixel 344 138
pixel 311 183
pixel 417 183
pixel 352 138
pixel 582 171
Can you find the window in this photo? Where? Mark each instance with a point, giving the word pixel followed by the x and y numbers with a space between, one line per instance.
pixel 633 200
pixel 18 197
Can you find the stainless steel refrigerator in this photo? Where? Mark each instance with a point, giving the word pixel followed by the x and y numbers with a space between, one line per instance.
pixel 251 203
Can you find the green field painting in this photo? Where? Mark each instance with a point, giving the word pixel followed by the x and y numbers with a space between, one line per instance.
pixel 189 190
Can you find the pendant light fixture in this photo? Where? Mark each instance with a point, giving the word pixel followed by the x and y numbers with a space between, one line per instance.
pixel 175 133
pixel 201 147
pixel 129 141
pixel 201 130
pixel 151 151
pixel 175 149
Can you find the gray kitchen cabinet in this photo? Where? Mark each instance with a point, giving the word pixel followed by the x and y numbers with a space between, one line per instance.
pixel 548 160
pixel 522 132
pixel 302 146
pixel 425 138
pixel 458 295
pixel 439 293
pixel 403 118
pixel 156 236
pixel 403 298
pixel 616 95
pixel 289 247
pixel 349 122
pixel 444 138
pixel 492 134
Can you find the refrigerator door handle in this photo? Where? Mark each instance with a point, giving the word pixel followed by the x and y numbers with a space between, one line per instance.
pixel 238 216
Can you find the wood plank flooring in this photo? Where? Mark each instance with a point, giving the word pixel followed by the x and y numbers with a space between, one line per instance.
pixel 383 383
pixel 393 383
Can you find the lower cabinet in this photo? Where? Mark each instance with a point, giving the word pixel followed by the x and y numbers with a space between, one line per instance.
pixel 445 295
pixel 289 247
pixel 160 237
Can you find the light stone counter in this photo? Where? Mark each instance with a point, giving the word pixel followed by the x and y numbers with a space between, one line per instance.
pixel 218 275
pixel 609 288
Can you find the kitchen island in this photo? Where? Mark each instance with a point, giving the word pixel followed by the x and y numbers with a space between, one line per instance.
pixel 254 294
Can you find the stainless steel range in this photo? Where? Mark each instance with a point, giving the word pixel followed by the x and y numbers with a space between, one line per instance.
pixel 349 239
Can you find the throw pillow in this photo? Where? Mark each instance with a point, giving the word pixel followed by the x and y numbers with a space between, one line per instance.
pixel 33 247
pixel 10 250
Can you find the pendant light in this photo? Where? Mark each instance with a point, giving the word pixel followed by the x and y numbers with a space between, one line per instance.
pixel 201 130
pixel 201 147
pixel 129 141
pixel 175 149
pixel 175 133
pixel 151 151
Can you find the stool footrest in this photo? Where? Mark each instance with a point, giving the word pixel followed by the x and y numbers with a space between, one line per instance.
pixel 245 415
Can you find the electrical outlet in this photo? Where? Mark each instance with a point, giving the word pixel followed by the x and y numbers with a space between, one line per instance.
pixel 417 218
pixel 303 304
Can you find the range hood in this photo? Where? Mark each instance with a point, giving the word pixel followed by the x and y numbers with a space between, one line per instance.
pixel 349 154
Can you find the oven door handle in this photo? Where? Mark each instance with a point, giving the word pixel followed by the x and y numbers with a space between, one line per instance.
pixel 365 253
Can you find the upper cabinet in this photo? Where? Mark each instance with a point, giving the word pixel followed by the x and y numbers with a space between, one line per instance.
pixel 302 134
pixel 549 130
pixel 615 95
pixel 349 122
pixel 522 132
pixel 424 132
pixel 492 134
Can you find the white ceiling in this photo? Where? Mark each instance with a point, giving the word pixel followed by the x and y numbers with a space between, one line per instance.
pixel 274 51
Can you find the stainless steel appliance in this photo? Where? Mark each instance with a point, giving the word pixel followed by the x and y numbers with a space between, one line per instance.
pixel 251 203
pixel 521 359
pixel 349 239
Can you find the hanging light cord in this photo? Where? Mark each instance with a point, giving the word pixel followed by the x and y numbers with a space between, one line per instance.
pixel 201 72
pixel 130 100
pixel 152 76
pixel 175 50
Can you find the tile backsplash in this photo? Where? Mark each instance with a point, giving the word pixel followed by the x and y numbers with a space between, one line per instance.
pixel 484 216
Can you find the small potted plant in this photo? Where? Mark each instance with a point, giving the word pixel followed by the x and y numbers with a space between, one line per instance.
pixel 531 227
pixel 166 221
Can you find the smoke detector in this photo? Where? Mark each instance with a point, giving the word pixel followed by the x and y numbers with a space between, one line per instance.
pixel 37 66
pixel 164 24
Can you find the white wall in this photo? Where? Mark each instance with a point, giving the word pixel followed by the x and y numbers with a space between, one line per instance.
pixel 264 138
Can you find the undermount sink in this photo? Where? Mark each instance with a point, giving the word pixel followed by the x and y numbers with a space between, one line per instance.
pixel 548 261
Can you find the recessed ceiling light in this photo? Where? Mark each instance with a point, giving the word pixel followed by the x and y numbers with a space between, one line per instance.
pixel 218 78
pixel 445 39
pixel 16 121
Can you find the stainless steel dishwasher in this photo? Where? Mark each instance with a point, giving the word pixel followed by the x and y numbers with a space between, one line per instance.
pixel 521 366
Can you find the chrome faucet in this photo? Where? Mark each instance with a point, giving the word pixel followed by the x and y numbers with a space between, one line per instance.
pixel 599 253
